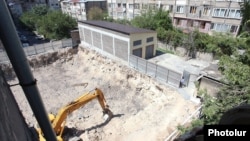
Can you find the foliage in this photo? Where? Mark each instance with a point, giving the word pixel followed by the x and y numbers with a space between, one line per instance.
pixel 235 91
pixel 158 20
pixel 234 75
pixel 56 25
pixel 165 50
pixel 245 57
pixel 96 13
pixel 245 11
pixel 31 18
pixel 194 123
pixel 146 20
pixel 161 33
pixel 175 37
pixel 122 21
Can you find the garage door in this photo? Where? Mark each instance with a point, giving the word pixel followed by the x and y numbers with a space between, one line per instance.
pixel 149 51
pixel 137 52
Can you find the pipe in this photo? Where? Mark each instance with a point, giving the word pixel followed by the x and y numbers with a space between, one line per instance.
pixel 22 69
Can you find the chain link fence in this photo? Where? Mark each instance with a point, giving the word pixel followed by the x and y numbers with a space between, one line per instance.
pixel 40 48
pixel 161 73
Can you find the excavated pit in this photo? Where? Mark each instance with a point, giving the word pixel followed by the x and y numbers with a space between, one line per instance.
pixel 144 110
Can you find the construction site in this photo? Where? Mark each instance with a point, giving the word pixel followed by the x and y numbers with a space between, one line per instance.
pixel 75 93
pixel 142 108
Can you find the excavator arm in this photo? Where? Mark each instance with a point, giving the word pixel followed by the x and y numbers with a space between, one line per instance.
pixel 58 122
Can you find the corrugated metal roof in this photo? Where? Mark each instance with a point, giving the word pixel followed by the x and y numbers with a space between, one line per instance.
pixel 125 29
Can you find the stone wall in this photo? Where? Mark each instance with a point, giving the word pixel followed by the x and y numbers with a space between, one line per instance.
pixel 182 52
pixel 210 85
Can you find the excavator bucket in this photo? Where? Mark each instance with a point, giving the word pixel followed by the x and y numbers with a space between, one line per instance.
pixel 107 115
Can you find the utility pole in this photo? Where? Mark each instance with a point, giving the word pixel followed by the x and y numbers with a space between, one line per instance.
pixel 23 72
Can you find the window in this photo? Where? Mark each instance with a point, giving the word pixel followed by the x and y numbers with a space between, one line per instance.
pixel 233 29
pixel 131 6
pixel 206 11
pixel 111 5
pixel 119 4
pixel 193 9
pixel 202 25
pixel 220 12
pixel 137 6
pixel 222 27
pixel 152 6
pixel 178 21
pixel 137 42
pixel 171 7
pixel 150 39
pixel 233 13
pixel 190 23
pixel 237 15
pixel 180 9
pixel 144 6
pixel 238 0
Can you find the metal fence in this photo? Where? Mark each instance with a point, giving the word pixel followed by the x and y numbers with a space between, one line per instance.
pixel 40 48
pixel 161 73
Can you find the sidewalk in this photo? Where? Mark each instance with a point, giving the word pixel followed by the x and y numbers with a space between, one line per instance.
pixel 189 92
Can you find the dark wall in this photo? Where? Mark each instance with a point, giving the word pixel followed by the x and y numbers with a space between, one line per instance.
pixel 12 124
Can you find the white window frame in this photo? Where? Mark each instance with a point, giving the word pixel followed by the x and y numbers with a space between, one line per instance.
pixel 236 14
pixel 220 27
pixel 180 9
pixel 237 0
pixel 221 13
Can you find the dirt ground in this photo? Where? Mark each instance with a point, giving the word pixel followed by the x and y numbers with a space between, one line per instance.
pixel 144 110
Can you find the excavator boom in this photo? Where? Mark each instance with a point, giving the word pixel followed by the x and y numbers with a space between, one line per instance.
pixel 58 121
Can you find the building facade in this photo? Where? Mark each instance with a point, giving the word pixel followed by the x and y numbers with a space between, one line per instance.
pixel 78 9
pixel 118 40
pixel 206 15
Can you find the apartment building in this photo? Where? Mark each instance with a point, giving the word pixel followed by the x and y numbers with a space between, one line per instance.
pixel 205 15
pixel 79 9
pixel 128 9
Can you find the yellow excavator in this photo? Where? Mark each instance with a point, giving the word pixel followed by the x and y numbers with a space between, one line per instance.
pixel 59 121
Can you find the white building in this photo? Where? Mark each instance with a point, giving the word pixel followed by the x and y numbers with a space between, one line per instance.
pixel 78 9
pixel 118 40
pixel 205 15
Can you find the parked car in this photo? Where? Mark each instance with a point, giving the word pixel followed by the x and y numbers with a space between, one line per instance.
pixel 39 37
pixel 25 44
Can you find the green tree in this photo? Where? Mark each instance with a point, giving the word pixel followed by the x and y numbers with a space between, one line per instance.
pixel 56 25
pixel 31 18
pixel 145 20
pixel 158 20
pixel 245 11
pixel 163 19
pixel 235 91
pixel 96 13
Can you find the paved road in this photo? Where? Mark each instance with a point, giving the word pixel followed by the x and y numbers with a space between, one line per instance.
pixel 31 38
